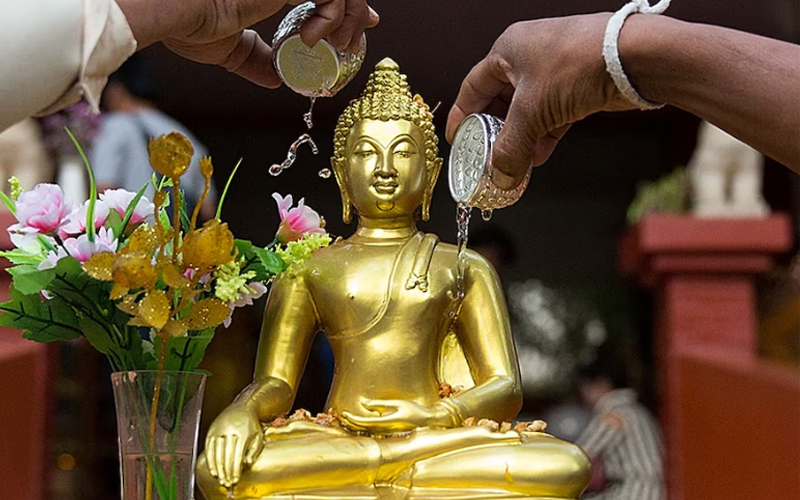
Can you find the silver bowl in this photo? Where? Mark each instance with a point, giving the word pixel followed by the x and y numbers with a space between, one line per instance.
pixel 319 71
pixel 470 165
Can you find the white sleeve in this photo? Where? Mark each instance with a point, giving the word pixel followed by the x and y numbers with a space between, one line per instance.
pixel 54 52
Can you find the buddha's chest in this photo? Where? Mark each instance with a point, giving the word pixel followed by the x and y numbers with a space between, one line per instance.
pixel 364 287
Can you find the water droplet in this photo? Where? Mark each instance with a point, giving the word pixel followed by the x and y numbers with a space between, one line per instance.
pixel 325 173
pixel 275 169
pixel 486 215
pixel 308 117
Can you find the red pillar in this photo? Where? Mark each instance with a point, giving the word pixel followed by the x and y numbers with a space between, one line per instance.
pixel 27 402
pixel 703 271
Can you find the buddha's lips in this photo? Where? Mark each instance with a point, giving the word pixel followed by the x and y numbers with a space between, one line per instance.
pixel 385 187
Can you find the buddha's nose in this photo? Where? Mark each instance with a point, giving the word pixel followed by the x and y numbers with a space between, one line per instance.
pixel 385 168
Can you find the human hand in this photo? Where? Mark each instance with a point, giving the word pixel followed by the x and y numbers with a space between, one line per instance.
pixel 396 415
pixel 213 31
pixel 234 441
pixel 542 76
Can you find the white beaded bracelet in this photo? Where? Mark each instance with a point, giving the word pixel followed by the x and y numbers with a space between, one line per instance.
pixel 611 49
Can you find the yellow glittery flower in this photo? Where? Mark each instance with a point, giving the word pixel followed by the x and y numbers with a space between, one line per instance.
pixel 154 310
pixel 170 154
pixel 206 168
pixel 206 313
pixel 210 246
pixel 134 270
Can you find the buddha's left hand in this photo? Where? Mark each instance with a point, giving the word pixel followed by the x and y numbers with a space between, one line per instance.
pixel 396 415
pixel 214 31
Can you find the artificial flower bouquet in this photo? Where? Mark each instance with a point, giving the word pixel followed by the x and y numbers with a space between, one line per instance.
pixel 144 286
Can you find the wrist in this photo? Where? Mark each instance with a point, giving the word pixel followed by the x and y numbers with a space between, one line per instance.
pixel 153 21
pixel 446 414
pixel 643 49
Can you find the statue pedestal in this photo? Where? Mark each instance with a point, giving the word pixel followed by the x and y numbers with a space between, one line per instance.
pixel 704 271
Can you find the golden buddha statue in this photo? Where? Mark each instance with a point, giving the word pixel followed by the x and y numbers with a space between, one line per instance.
pixel 386 299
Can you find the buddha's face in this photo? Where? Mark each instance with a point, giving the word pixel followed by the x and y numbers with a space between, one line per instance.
pixel 385 173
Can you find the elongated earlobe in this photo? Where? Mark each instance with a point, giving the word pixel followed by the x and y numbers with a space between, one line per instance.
pixel 433 175
pixel 347 205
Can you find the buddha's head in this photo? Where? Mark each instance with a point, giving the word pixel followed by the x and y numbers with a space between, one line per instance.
pixel 385 150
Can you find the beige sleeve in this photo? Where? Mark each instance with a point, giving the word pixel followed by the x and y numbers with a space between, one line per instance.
pixel 55 52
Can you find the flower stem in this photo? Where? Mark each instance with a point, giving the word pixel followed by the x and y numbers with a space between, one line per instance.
pixel 176 218
pixel 162 359
pixel 225 191
pixel 90 229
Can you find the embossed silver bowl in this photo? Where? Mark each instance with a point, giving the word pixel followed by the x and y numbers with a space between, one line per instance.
pixel 469 166
pixel 316 71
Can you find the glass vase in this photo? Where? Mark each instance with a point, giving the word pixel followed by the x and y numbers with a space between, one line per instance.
pixel 158 448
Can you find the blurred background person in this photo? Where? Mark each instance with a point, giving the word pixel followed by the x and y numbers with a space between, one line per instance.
pixel 24 156
pixel 120 158
pixel 622 438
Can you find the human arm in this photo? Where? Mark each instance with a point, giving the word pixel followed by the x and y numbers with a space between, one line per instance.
pixel 57 52
pixel 604 432
pixel 213 31
pixel 54 52
pixel 546 74
pixel 235 438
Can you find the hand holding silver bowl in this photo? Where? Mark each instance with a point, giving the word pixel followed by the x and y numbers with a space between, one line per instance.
pixel 318 71
pixel 470 165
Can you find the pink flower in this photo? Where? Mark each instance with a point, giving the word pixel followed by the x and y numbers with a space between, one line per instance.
pixel 119 199
pixel 42 209
pixel 254 290
pixel 81 248
pixel 298 221
pixel 76 221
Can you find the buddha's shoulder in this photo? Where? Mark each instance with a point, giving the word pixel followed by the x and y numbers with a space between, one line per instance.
pixel 445 257
pixel 448 251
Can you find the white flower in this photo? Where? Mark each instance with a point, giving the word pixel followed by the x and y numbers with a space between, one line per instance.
pixel 119 199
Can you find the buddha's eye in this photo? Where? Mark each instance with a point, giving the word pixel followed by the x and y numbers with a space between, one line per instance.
pixel 404 153
pixel 365 153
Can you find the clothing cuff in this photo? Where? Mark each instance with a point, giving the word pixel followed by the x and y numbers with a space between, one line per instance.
pixel 107 42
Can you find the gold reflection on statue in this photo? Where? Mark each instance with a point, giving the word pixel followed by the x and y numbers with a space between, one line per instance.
pixel 385 298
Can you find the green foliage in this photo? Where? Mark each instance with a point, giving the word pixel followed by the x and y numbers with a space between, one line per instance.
pixel 669 194
pixel 264 262
pixel 17 256
pixel 183 353
pixel 79 306
pixel 114 222
pixel 28 279
pixel 41 320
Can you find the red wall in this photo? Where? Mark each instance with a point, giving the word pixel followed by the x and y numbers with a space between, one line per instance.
pixel 740 427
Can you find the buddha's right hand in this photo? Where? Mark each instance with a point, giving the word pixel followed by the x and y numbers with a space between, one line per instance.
pixel 234 441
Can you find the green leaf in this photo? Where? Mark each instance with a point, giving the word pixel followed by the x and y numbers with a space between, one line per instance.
pixel 10 204
pixel 90 229
pixel 252 262
pixel 272 262
pixel 42 320
pixel 225 190
pixel 243 246
pixel 17 256
pixel 183 353
pixel 30 280
pixel 186 223
pixel 132 206
pixel 100 337
pixel 114 222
